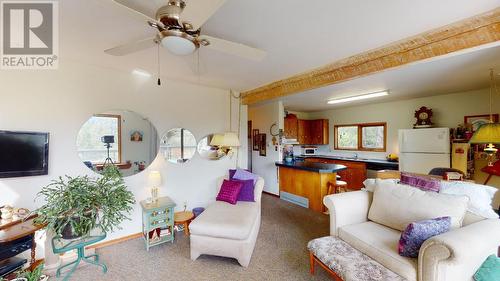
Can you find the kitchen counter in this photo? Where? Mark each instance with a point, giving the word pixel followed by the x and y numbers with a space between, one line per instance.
pixel 312 167
pixel 307 183
pixel 372 164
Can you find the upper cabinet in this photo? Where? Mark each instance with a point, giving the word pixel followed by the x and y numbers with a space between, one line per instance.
pixel 313 132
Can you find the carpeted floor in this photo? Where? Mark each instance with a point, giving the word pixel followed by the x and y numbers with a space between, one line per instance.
pixel 280 253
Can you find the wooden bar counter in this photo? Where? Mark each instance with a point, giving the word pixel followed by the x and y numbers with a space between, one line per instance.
pixel 309 180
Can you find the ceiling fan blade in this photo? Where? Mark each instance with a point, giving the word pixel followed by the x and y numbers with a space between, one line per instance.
pixel 197 12
pixel 233 48
pixel 132 47
pixel 139 8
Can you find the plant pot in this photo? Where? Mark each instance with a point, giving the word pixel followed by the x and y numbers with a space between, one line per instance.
pixel 44 278
pixel 68 233
pixel 19 279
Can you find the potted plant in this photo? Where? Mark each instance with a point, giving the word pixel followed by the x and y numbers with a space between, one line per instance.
pixel 76 205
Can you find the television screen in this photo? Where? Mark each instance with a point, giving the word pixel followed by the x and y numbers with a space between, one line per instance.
pixel 23 154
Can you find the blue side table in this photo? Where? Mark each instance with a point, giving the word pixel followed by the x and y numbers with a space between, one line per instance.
pixel 60 246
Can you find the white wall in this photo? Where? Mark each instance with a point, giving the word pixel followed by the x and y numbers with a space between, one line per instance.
pixel 60 101
pixel 449 111
pixel 262 117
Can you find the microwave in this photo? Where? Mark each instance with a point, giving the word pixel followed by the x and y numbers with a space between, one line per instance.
pixel 309 150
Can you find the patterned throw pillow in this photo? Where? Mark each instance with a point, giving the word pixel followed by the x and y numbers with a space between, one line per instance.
pixel 245 175
pixel 229 191
pixel 489 270
pixel 423 183
pixel 416 233
pixel 247 190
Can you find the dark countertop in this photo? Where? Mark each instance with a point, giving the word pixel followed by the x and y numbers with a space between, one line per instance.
pixel 311 166
pixel 376 164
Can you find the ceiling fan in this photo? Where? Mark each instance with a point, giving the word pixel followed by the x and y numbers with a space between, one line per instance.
pixel 180 35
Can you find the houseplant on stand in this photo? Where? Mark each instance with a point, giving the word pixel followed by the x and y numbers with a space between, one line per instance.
pixel 76 205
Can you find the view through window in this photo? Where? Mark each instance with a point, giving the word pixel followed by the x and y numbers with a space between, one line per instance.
pixel 91 148
pixel 365 137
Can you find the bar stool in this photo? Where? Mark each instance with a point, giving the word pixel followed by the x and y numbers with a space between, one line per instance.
pixel 336 187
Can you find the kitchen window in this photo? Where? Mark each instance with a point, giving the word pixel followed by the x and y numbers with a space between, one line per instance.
pixel 363 137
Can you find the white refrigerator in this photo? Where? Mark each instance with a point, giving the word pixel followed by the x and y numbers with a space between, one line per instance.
pixel 420 150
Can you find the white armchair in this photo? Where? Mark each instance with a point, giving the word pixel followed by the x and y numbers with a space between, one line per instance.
pixel 453 256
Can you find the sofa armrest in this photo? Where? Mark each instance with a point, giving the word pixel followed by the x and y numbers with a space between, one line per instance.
pixel 347 208
pixel 457 254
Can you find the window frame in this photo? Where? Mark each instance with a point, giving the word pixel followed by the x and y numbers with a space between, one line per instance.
pixel 360 127
pixel 119 120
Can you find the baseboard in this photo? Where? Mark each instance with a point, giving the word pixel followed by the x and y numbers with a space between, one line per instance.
pixel 272 194
pixel 115 241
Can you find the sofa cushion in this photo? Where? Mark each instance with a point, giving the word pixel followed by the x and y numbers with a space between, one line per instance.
pixel 397 205
pixel 480 196
pixel 424 183
pixel 381 244
pixel 224 220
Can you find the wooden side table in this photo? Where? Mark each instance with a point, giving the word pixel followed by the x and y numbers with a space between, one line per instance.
pixel 184 218
pixel 158 221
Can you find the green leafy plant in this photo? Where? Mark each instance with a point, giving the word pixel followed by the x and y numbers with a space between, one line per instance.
pixel 83 203
pixel 33 275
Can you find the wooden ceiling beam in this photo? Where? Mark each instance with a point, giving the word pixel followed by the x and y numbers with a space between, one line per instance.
pixel 471 32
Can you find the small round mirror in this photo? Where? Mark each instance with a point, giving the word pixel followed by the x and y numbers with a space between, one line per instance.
pixel 207 151
pixel 178 145
pixel 122 138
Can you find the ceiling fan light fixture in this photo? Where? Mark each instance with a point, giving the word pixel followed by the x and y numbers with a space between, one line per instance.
pixel 179 43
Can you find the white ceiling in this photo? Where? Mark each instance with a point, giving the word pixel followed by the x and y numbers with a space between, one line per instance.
pixel 298 35
pixel 444 75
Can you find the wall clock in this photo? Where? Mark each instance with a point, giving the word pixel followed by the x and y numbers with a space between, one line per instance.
pixel 423 116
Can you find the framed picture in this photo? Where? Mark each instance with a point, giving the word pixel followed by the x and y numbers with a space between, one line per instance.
pixel 262 144
pixel 477 120
pixel 136 136
pixel 255 138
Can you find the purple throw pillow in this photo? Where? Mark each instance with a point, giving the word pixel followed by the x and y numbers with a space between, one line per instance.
pixel 229 191
pixel 247 190
pixel 231 173
pixel 416 233
pixel 423 183
pixel 245 175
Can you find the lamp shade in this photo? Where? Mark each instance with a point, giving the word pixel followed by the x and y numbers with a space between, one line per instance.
pixel 154 179
pixel 231 140
pixel 487 133
pixel 217 140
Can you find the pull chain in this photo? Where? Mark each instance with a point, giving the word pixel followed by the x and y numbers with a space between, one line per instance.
pixel 158 56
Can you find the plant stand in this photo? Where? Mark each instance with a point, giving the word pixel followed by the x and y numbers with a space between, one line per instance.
pixel 60 246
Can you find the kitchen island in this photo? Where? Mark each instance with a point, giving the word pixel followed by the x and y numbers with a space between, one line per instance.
pixel 306 183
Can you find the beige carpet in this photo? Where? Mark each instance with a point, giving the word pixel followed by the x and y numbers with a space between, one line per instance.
pixel 280 253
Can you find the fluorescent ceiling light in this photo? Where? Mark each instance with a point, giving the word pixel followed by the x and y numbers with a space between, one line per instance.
pixel 141 72
pixel 361 97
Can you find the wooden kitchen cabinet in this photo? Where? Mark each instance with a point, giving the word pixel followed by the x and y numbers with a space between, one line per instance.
pixel 291 126
pixel 313 132
pixel 355 174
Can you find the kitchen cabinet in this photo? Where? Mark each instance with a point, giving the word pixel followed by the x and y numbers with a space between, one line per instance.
pixel 355 174
pixel 314 132
pixel 291 126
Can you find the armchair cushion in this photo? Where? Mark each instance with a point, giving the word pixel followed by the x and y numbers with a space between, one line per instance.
pixel 397 205
pixel 416 233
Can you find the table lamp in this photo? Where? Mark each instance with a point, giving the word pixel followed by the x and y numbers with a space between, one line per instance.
pixel 154 183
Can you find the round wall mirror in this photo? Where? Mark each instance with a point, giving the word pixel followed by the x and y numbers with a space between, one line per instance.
pixel 207 151
pixel 178 145
pixel 122 138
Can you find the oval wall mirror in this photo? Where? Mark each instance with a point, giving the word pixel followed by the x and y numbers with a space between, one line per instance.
pixel 123 138
pixel 207 151
pixel 178 145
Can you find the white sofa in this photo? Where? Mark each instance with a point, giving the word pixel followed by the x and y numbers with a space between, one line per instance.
pixel 452 256
pixel 228 230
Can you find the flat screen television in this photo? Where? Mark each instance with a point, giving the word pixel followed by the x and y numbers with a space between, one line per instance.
pixel 23 154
